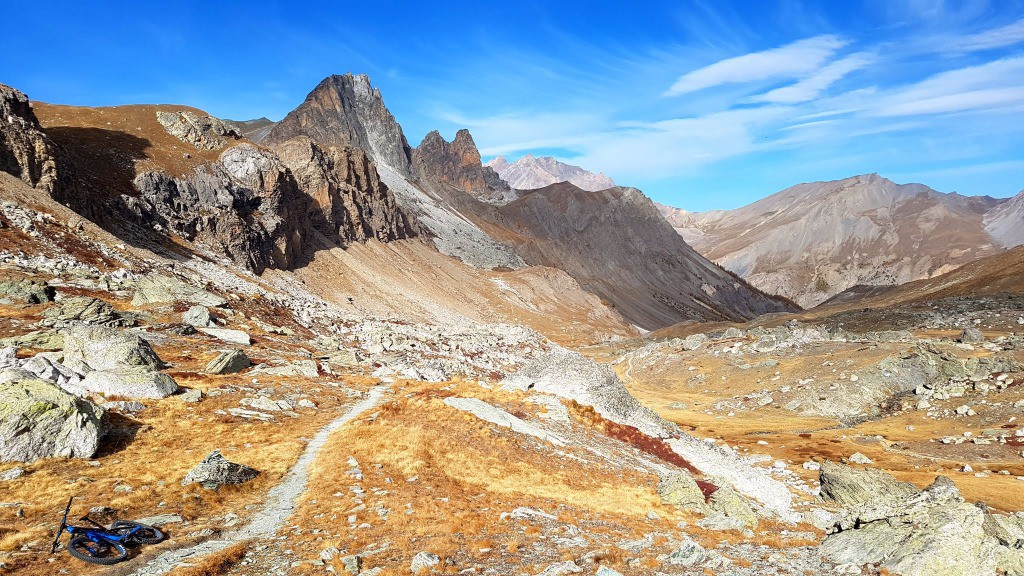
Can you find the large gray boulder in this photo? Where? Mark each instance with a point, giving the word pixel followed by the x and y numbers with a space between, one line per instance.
pixel 848 486
pixel 228 363
pixel 102 348
pixel 81 310
pixel 39 420
pixel 930 532
pixel 198 316
pixel 115 362
pixel 129 383
pixel 160 289
pixel 215 470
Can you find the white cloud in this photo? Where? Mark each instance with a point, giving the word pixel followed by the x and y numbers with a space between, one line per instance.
pixel 994 85
pixel 790 61
pixel 995 38
pixel 811 87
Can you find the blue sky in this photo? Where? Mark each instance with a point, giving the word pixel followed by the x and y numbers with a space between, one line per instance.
pixel 700 104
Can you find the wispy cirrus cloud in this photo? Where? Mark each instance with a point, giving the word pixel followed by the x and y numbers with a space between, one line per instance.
pixel 791 61
pixel 813 86
pixel 1001 37
pixel 988 87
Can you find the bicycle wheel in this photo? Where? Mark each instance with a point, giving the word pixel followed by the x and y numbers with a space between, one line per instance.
pixel 102 552
pixel 144 534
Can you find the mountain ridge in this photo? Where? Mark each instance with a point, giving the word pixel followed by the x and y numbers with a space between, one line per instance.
pixel 814 240
pixel 530 172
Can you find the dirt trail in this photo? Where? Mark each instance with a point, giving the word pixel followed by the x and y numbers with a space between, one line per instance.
pixel 280 500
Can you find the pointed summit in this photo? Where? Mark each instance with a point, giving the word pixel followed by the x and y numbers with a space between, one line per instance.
pixel 347 111
pixel 458 164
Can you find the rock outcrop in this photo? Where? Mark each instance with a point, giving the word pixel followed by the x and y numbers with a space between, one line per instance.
pixel 349 201
pixel 26 292
pixel 202 131
pixel 246 207
pixel 458 164
pixel 530 173
pixel 39 420
pixel 161 289
pixel 911 532
pixel 25 150
pixel 347 111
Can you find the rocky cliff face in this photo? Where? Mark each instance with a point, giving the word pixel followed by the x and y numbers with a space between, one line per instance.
pixel 347 111
pixel 616 245
pixel 25 150
pixel 247 207
pixel 812 241
pixel 529 173
pixel 349 201
pixel 1006 222
pixel 458 164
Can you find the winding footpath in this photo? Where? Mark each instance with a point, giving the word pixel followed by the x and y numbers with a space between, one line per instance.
pixel 279 504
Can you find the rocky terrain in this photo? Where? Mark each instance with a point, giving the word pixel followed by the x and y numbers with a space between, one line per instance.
pixel 530 173
pixel 812 241
pixel 303 356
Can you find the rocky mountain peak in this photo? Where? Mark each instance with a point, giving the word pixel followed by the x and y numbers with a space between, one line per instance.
pixel 530 173
pixel 346 110
pixel 458 164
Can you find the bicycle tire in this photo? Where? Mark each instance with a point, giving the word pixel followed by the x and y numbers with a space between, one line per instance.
pixel 88 550
pixel 145 534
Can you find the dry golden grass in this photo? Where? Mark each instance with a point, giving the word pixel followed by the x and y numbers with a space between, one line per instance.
pixel 215 564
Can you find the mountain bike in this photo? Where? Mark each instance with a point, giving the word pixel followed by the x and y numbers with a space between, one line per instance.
pixel 102 545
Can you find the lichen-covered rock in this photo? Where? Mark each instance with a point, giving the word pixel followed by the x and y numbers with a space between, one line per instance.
pixel 36 340
pixel 920 533
pixel 114 362
pixel 39 420
pixel 349 201
pixel 971 335
pixel 197 316
pixel 127 382
pixel 680 489
pixel 82 310
pixel 215 470
pixel 228 363
pixel 848 486
pixel 26 291
pixel 161 289
pixel 228 335
pixel 102 348
pixel 203 132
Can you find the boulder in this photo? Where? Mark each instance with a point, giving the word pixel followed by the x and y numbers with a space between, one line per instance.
pixel 930 532
pixel 680 489
pixel 160 289
pixel 215 471
pixel 423 561
pixel 228 363
pixel 129 383
pixel 26 291
pixel 36 340
pixel 694 341
pixel 848 486
pixel 115 363
pixel 198 316
pixel 9 357
pixel 102 348
pixel 228 335
pixel 39 420
pixel 81 310
pixel 971 335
